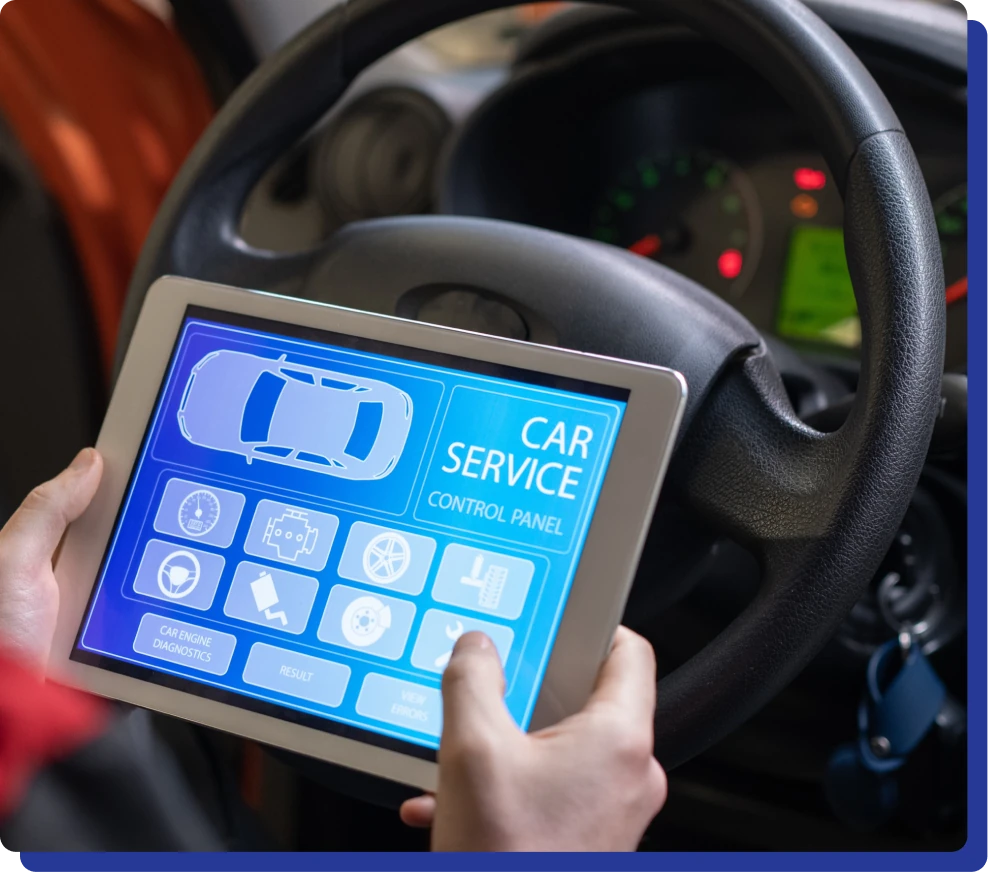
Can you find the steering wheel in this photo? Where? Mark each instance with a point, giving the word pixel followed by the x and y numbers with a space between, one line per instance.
pixel 818 510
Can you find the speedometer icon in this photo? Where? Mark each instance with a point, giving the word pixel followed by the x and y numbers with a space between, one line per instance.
pixel 199 512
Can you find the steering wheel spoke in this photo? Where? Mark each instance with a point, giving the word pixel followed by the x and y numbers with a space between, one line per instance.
pixel 748 466
pixel 277 272
pixel 207 243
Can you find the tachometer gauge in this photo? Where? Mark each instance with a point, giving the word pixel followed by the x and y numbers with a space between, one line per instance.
pixel 695 212
pixel 951 212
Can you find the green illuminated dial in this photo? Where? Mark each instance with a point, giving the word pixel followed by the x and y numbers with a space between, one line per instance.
pixel 695 212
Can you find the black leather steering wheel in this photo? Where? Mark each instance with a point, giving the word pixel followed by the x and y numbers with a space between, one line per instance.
pixel 819 510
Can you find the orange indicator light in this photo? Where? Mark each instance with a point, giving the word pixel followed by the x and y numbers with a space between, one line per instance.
pixel 804 206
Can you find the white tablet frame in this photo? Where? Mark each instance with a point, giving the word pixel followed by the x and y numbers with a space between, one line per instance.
pixel 599 590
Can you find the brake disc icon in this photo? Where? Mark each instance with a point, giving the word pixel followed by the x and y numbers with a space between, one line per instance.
pixel 365 621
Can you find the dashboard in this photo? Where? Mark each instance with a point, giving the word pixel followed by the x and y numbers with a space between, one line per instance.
pixel 658 142
pixel 661 143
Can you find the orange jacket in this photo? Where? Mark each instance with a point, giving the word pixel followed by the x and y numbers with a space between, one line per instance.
pixel 107 102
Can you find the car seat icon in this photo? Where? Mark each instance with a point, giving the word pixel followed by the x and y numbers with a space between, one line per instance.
pixel 314 419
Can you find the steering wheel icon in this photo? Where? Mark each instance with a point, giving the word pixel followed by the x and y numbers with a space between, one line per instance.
pixel 387 557
pixel 178 574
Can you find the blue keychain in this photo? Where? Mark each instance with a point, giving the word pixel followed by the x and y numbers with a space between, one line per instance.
pixel 902 698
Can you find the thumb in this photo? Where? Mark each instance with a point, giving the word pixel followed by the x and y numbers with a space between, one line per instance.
pixel 419 811
pixel 473 692
pixel 33 532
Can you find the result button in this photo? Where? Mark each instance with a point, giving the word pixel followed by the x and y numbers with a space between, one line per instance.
pixel 299 675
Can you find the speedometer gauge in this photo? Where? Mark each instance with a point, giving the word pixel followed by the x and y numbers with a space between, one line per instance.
pixel 695 212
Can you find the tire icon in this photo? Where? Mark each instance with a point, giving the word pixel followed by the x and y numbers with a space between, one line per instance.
pixel 387 557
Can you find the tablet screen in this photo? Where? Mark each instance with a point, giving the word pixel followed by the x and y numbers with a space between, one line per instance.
pixel 315 518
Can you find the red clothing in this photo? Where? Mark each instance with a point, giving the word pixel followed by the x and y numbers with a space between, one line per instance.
pixel 39 722
pixel 78 773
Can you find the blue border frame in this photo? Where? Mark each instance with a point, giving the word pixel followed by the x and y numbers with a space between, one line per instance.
pixel 974 853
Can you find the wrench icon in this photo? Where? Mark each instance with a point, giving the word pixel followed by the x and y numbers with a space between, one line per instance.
pixel 452 633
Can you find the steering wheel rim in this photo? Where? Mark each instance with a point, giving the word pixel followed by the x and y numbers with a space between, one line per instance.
pixel 819 510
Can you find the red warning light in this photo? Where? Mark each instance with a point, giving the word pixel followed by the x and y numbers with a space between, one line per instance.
pixel 730 263
pixel 957 291
pixel 807 179
pixel 647 245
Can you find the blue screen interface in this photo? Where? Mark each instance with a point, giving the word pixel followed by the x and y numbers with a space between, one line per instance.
pixel 314 519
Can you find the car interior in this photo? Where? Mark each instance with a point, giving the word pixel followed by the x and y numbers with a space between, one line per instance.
pixel 775 208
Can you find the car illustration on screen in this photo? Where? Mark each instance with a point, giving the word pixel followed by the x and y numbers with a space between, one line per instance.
pixel 315 419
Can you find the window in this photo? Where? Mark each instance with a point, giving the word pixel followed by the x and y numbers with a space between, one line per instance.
pixel 260 406
pixel 336 385
pixel 304 377
pixel 274 450
pixel 365 430
pixel 307 457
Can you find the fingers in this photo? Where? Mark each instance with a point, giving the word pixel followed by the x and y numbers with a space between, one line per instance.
pixel 627 677
pixel 659 785
pixel 418 812
pixel 33 532
pixel 473 693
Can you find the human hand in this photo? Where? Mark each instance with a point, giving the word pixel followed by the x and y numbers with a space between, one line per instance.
pixel 589 783
pixel 28 590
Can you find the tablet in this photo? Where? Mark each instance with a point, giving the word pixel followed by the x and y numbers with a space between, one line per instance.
pixel 303 508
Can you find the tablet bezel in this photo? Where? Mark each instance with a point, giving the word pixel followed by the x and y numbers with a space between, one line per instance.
pixel 611 551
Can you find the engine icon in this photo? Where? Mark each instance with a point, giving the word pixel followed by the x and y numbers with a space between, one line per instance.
pixel 291 535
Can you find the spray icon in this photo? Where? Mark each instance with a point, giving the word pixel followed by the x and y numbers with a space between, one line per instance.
pixel 266 597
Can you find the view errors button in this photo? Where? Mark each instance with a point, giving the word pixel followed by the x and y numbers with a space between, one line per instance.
pixel 402 703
